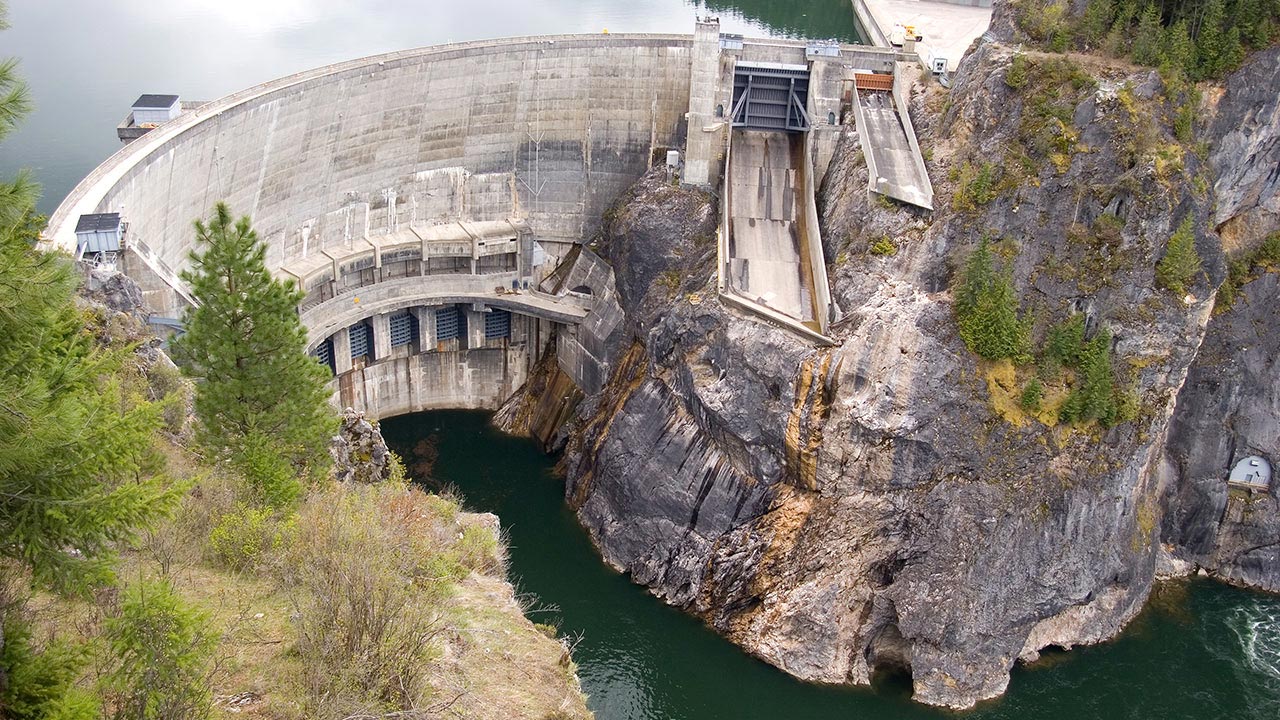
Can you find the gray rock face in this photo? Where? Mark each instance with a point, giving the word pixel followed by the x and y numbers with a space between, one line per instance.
pixel 359 452
pixel 1246 152
pixel 836 510
pixel 1229 409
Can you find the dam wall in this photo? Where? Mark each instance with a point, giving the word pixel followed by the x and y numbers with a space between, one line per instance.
pixel 433 204
pixel 548 129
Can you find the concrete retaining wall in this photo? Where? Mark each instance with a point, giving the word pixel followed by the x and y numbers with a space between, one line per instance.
pixel 550 129
pixel 478 379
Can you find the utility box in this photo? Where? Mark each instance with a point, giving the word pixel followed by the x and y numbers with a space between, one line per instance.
pixel 673 159
pixel 155 109
pixel 98 233
pixel 936 63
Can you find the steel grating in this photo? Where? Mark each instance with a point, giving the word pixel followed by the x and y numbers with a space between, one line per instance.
pixel 771 97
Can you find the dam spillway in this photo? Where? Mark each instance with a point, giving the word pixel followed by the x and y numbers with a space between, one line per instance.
pixel 375 184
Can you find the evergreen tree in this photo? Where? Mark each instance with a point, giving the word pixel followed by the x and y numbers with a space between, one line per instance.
pixel 165 654
pixel 1180 263
pixel 1149 38
pixel 1180 49
pixel 246 347
pixel 72 447
pixel 1097 19
pixel 1094 397
pixel 986 308
pixel 1211 41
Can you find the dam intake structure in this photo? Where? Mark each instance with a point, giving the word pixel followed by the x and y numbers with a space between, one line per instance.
pixel 435 205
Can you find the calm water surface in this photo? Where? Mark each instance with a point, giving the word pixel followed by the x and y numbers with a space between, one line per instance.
pixel 87 60
pixel 1201 651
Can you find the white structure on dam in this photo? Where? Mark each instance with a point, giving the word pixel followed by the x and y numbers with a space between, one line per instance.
pixel 423 198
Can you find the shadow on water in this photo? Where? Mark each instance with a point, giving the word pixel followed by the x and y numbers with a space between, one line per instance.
pixel 1200 651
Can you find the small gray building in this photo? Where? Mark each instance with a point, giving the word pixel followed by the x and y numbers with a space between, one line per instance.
pixel 1252 472
pixel 98 233
pixel 155 109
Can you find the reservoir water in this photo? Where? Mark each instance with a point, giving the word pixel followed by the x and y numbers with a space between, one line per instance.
pixel 1201 650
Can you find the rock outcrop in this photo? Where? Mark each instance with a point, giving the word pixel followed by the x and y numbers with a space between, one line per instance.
pixel 359 452
pixel 1245 153
pixel 882 502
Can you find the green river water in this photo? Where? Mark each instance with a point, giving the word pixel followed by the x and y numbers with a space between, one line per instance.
pixel 1201 650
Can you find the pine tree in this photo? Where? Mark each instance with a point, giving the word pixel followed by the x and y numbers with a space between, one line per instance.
pixel 1211 40
pixel 246 347
pixel 1097 19
pixel 1094 397
pixel 1149 38
pixel 165 653
pixel 1180 49
pixel 72 448
pixel 986 308
pixel 1180 263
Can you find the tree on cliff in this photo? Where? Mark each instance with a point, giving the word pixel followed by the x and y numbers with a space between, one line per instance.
pixel 261 400
pixel 1180 263
pixel 986 308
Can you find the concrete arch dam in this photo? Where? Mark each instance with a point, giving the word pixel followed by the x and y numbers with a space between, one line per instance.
pixel 427 178
pixel 432 203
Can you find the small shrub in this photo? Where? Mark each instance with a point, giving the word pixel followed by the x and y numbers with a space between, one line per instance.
pixel 1015 76
pixel 366 574
pixel 1032 395
pixel 272 479
pixel 975 186
pixel 163 653
pixel 1180 263
pixel 478 549
pixel 884 246
pixel 241 539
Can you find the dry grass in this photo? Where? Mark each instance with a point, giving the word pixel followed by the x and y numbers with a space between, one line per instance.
pixel 1005 383
pixel 386 598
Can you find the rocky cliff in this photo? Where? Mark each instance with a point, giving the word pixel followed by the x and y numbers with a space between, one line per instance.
pixel 887 502
pixel 1229 407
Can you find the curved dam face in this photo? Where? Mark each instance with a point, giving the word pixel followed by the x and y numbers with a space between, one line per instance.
pixel 433 204
pixel 443 183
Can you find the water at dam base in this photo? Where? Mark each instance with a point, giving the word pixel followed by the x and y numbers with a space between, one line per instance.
pixel 1199 651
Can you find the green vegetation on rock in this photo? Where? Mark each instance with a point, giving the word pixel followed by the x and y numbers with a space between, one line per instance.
pixel 986 308
pixel 1265 257
pixel 1200 38
pixel 1180 264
